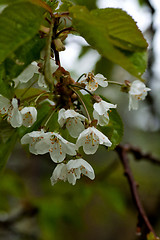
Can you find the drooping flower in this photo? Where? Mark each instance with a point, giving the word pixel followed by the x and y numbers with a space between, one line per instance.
pixel 4 104
pixel 90 139
pixel 35 137
pixel 72 171
pixel 29 72
pixel 59 173
pixel 138 91
pixel 73 121
pixel 14 115
pixel 59 147
pixel 29 116
pixel 41 143
pixel 100 112
pixel 92 81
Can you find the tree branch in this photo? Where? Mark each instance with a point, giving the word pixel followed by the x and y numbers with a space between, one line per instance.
pixel 138 154
pixel 122 152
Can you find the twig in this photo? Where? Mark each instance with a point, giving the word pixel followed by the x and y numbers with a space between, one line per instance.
pixel 139 155
pixel 122 152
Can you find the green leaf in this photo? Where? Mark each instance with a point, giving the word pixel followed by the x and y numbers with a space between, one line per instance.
pixel 8 2
pixel 5 89
pixel 29 94
pixel 122 29
pixel 41 3
pixel 23 56
pixel 91 4
pixel 6 148
pixel 108 41
pixel 19 22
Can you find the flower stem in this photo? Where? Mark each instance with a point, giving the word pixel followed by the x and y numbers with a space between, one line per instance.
pixel 89 119
pixel 47 66
pixel 40 95
pixel 81 77
pixel 27 89
pixel 48 118
pixel 73 85
pixel 114 82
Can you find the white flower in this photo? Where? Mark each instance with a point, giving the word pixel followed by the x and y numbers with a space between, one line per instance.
pixel 59 147
pixel 29 116
pixel 41 81
pixel 72 171
pixel 27 73
pixel 100 112
pixel 73 121
pixel 14 115
pixel 35 137
pixel 41 143
pixel 92 81
pixel 138 91
pixel 59 173
pixel 4 104
pixel 90 139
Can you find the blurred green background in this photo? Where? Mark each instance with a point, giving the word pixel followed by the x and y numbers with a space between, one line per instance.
pixel 30 208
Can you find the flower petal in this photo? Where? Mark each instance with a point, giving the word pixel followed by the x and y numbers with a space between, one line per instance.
pixel 59 173
pixel 29 116
pixel 101 80
pixel 75 127
pixel 4 104
pixel 14 115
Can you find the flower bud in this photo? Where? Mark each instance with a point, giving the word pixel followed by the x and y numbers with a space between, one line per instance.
pixel 59 45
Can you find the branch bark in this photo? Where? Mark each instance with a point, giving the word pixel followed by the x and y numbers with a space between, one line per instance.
pixel 122 152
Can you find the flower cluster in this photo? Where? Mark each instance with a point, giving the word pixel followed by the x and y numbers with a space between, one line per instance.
pixel 71 114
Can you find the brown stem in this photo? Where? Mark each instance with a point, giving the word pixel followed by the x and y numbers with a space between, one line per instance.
pixel 139 155
pixel 65 29
pixel 133 187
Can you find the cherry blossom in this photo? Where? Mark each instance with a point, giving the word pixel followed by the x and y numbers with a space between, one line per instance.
pixel 41 143
pixel 138 91
pixel 29 116
pixel 29 72
pixel 72 171
pixel 92 81
pixel 90 139
pixel 73 121
pixel 59 147
pixel 33 138
pixel 100 112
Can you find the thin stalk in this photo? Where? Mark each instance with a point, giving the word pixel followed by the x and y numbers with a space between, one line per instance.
pixel 89 119
pixel 114 82
pixel 47 66
pixel 65 29
pixel 28 88
pixel 49 117
pixel 81 88
pixel 81 77
pixel 40 95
